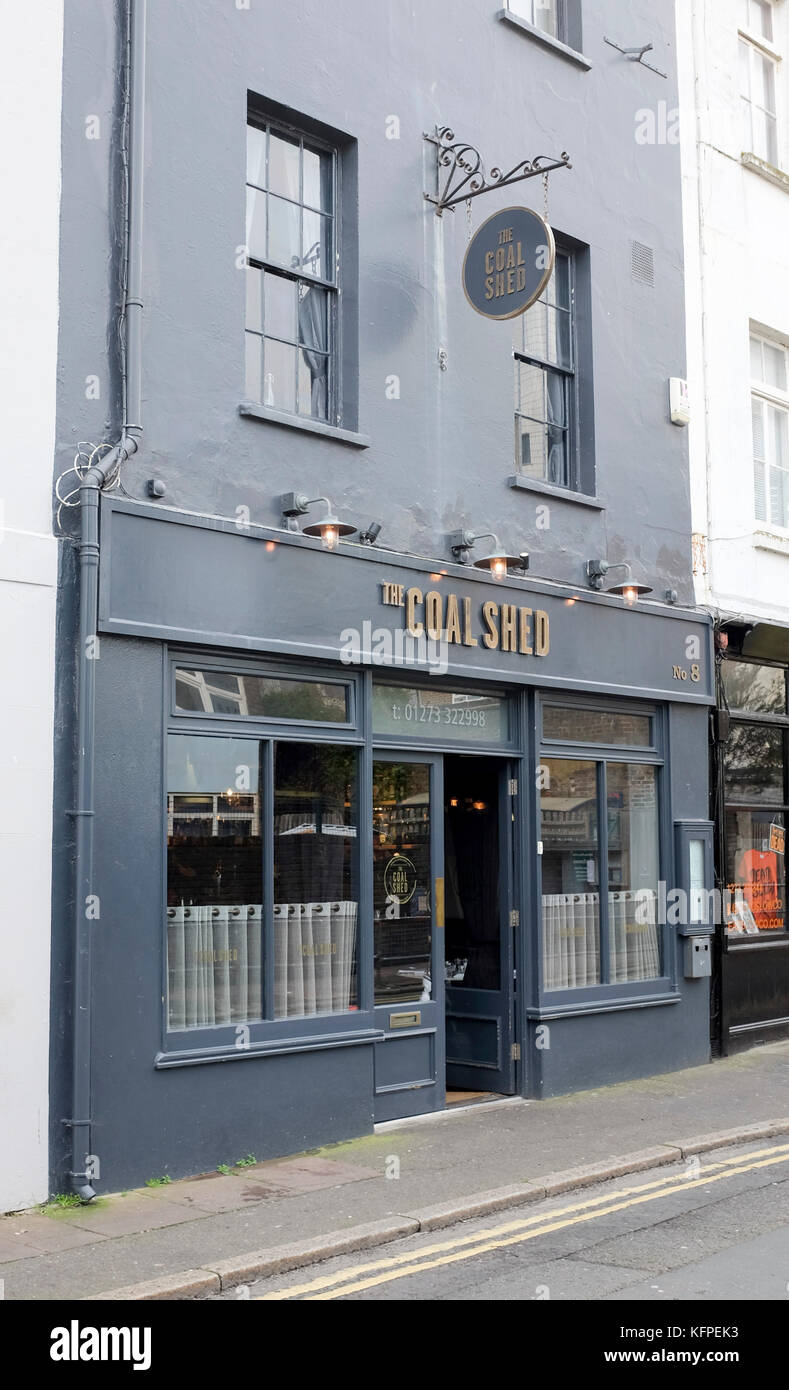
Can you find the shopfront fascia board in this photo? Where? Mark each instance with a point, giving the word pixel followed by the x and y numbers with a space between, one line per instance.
pixel 180 577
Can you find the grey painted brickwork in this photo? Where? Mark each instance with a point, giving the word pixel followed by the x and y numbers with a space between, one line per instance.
pixel 439 456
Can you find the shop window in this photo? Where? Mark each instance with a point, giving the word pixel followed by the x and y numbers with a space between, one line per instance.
pixel 570 874
pixel 760 689
pixel 292 272
pixel 261 697
pixel 770 428
pixel 214 882
pixel 570 724
pixel 316 900
pixel 756 795
pixel 600 878
pixel 221 911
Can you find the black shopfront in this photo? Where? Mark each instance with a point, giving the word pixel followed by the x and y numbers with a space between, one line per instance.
pixel 345 878
pixel 750 801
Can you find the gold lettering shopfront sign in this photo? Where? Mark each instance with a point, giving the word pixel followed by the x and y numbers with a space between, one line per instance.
pixel 451 618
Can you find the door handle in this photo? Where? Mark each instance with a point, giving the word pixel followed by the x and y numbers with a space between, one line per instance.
pixel 439 901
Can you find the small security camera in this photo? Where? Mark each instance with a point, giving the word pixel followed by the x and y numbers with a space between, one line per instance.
pixel 523 556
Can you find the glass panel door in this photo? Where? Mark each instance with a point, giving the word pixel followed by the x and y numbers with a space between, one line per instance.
pixel 408 891
pixel 478 813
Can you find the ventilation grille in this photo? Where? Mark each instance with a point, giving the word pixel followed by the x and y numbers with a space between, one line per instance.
pixel 642 263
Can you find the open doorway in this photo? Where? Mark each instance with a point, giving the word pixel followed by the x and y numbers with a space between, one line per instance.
pixel 478 932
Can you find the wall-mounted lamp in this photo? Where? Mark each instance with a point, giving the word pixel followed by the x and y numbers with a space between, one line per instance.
pixel 497 561
pixel 329 529
pixel 596 570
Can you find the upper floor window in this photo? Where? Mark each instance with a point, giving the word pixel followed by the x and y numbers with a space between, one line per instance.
pixel 543 14
pixel 292 273
pixel 758 73
pixel 770 416
pixel 544 351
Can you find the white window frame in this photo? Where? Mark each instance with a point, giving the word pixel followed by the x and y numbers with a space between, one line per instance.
pixel 758 47
pixel 778 399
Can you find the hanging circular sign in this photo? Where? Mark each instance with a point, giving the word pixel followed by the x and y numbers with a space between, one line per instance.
pixel 400 879
pixel 508 263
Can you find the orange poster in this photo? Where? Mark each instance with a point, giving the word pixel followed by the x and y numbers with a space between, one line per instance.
pixel 757 873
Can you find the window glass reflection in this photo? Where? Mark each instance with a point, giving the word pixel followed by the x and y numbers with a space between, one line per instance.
pixel 756 871
pixel 402 897
pixel 214 882
pixel 315 880
pixel 263 697
pixel 633 859
pixel 570 873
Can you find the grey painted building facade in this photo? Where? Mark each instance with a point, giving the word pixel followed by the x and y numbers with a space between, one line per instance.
pixel 332 872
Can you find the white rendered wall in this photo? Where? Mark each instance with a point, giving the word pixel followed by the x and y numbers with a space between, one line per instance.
pixel 31 42
pixel 737 274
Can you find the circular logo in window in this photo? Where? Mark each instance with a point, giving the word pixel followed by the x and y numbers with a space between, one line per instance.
pixel 400 879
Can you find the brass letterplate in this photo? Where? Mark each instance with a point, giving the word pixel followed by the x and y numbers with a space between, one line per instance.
pixel 411 1020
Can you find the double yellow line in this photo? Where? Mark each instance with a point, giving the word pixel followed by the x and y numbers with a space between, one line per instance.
pixel 448 1252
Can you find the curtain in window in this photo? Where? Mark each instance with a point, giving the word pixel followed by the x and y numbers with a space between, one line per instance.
pixel 312 309
pixel 213 964
pixel 557 469
pixel 314 946
pixel 570 938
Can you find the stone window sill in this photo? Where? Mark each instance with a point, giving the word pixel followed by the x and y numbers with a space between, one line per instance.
pixel 774 538
pixel 556 46
pixel 561 494
pixel 765 170
pixel 299 422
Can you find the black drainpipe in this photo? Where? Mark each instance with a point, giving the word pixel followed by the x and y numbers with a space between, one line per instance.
pixel 90 488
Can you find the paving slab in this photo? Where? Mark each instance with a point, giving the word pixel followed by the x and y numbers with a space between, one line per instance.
pixel 311 1173
pixel 42 1234
pixel 215 1192
pixel 125 1215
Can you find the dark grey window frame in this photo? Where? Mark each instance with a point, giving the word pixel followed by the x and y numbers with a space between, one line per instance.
pixel 568 375
pixel 276 671
pixel 579 388
pixel 183 1047
pixel 301 277
pixel 607 994
pixel 342 424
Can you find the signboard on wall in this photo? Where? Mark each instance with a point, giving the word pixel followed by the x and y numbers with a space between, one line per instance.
pixel 508 263
pixel 284 593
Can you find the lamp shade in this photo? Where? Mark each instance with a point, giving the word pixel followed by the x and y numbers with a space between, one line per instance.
pixel 498 563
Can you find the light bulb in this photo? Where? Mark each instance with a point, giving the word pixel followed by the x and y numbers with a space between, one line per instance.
pixel 498 568
pixel 630 594
pixel 330 537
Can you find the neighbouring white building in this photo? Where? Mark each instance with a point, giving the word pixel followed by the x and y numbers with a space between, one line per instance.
pixel 734 86
pixel 31 42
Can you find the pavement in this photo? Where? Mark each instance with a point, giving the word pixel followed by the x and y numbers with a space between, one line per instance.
pixel 200 1236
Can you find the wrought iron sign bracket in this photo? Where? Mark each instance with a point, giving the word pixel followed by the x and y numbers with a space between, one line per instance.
pixel 461 172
